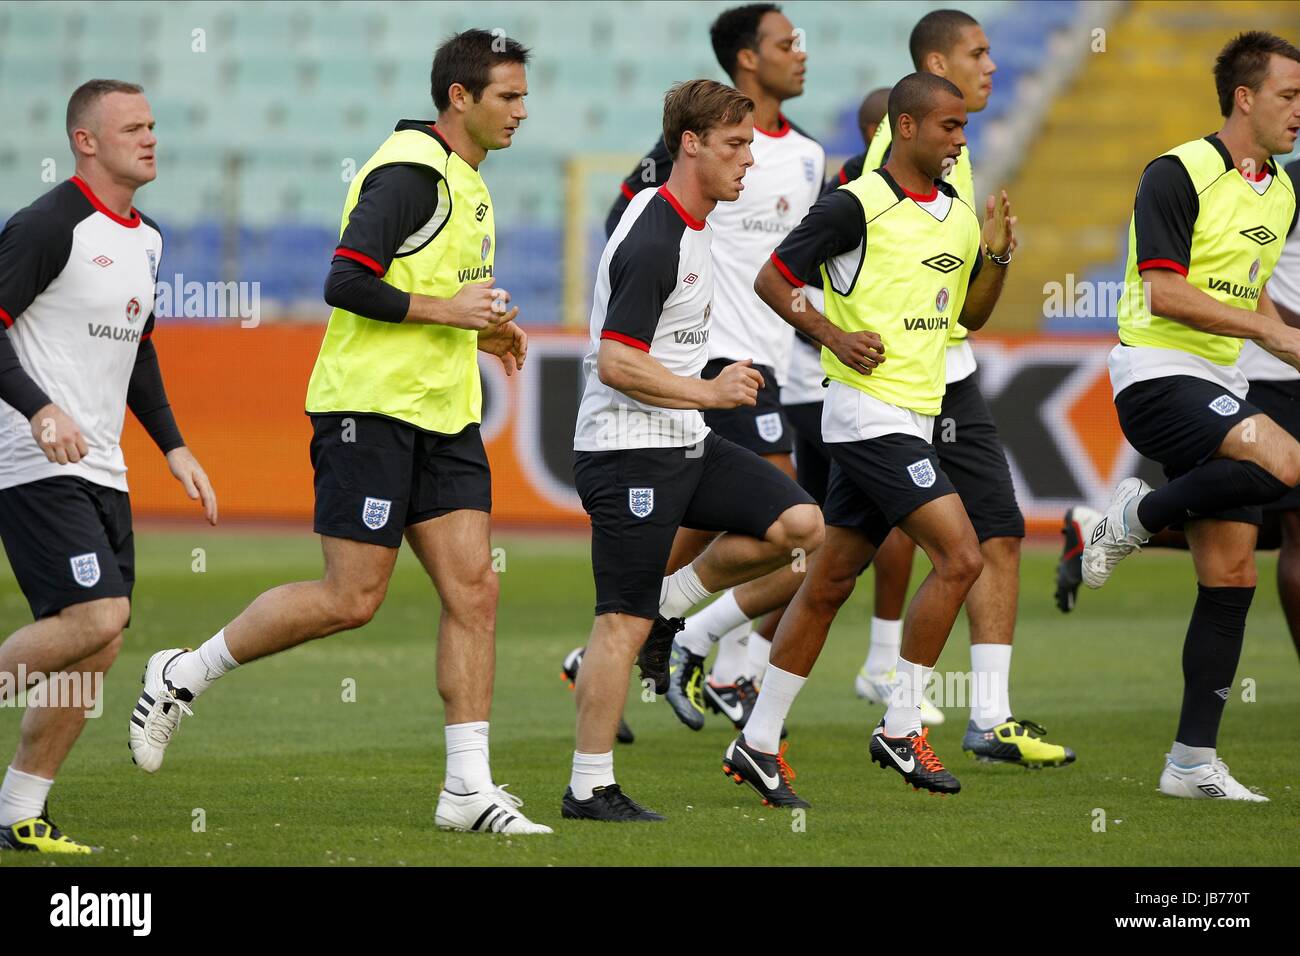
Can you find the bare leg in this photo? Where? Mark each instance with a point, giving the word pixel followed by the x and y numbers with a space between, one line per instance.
pixel 893 566
pixel 733 559
pixel 602 680
pixel 74 634
pixel 346 597
pixel 48 733
pixel 944 532
pixel 455 550
pixel 991 603
pixel 832 575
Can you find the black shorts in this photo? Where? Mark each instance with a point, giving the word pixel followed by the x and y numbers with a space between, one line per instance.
pixel 966 438
pixel 1280 401
pixel 69 541
pixel 762 429
pixel 638 497
pixel 812 462
pixel 375 476
pixel 876 483
pixel 1180 421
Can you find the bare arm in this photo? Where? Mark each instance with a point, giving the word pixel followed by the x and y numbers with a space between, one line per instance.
pixel 640 377
pixel 1173 297
pixel 998 237
pixel 477 306
pixel 860 351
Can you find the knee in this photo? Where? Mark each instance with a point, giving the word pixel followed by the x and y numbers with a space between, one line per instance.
pixel 828 592
pixel 356 606
pixel 1235 574
pixel 799 527
pixel 473 596
pixel 109 653
pixel 1289 468
pixel 961 565
pixel 101 622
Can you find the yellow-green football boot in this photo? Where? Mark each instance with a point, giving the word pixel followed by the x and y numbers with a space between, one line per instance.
pixel 40 835
pixel 1015 741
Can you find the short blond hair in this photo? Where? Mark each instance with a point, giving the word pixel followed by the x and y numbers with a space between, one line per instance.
pixel 88 94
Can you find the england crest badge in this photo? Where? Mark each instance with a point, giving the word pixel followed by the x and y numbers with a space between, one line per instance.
pixel 1225 405
pixel 85 569
pixel 374 513
pixel 922 473
pixel 769 426
pixel 641 501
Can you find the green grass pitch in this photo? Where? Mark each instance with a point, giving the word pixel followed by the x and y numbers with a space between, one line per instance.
pixel 286 772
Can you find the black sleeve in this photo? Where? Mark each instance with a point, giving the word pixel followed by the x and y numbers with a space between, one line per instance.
pixel 1164 215
pixel 1292 169
pixel 17 388
pixel 833 226
pixel 34 248
pixel 851 170
pixel 642 275
pixel 651 171
pixel 395 202
pixel 147 398
pixel 979 264
pixel 354 287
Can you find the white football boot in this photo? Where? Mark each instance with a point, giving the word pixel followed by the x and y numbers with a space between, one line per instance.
pixel 1112 539
pixel 157 712
pixel 877 689
pixel 486 811
pixel 1205 781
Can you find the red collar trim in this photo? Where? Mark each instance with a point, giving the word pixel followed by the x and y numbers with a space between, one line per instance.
pixel 433 128
pixel 782 128
pixel 681 210
pixel 1255 179
pixel 94 201
pixel 931 196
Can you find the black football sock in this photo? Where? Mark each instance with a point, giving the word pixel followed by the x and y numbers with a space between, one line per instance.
pixel 1215 486
pixel 1210 655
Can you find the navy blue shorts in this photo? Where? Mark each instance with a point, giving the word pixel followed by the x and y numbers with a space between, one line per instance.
pixel 1179 421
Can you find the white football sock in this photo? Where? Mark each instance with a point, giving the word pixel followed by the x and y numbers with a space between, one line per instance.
pixel 468 770
pixel 732 662
pixel 886 639
pixel 990 702
pixel 904 713
pixel 1181 754
pixel 589 772
pixel 759 652
pixel 707 625
pixel 196 671
pixel 780 688
pixel 22 796
pixel 681 591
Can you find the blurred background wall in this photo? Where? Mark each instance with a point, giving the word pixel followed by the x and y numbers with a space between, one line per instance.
pixel 265 110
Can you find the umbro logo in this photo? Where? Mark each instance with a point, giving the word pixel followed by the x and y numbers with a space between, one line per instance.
pixel 1260 234
pixel 944 262
pixel 102 261
pixel 1211 790
pixel 480 211
pixel 690 278
pixel 1098 532
pixel 1224 692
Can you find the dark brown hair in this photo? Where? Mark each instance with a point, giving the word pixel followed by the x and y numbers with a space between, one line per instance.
pixel 699 106
pixel 1244 62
